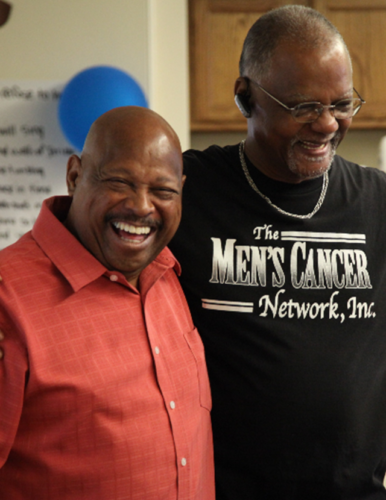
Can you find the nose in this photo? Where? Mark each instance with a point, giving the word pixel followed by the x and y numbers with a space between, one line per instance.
pixel 326 123
pixel 139 202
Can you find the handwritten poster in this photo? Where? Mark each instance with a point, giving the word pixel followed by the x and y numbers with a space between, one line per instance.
pixel 33 153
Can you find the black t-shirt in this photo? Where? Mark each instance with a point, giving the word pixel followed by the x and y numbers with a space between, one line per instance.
pixel 292 313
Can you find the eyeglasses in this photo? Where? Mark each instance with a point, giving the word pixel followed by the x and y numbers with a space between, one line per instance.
pixel 308 112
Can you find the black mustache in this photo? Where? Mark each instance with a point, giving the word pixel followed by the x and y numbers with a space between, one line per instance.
pixel 132 219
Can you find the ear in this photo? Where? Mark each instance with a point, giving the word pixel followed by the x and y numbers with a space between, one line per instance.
pixel 241 86
pixel 242 96
pixel 183 179
pixel 74 167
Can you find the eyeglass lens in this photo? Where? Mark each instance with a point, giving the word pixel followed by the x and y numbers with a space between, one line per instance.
pixel 342 110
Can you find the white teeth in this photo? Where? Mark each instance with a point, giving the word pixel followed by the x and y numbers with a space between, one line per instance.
pixel 310 145
pixel 128 228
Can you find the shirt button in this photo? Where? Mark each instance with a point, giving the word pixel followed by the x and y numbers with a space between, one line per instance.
pixel 172 405
pixel 114 277
pixel 156 350
pixel 183 462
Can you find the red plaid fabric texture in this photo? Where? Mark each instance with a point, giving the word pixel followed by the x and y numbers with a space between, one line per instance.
pixel 104 393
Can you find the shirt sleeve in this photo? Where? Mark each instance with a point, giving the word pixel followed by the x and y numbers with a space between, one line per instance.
pixel 13 375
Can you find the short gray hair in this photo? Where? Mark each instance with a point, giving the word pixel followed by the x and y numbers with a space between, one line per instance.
pixel 297 24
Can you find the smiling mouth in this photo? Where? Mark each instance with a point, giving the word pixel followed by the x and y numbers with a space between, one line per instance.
pixel 313 146
pixel 129 232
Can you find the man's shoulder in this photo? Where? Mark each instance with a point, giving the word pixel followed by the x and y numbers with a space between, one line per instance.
pixel 212 157
pixel 20 256
pixel 23 268
pixel 23 250
pixel 350 171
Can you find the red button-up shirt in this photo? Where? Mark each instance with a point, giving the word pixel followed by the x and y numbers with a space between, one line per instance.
pixel 104 393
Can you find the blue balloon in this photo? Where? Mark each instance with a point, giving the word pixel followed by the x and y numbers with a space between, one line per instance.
pixel 91 93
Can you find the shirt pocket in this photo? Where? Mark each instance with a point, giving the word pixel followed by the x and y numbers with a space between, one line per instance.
pixel 195 344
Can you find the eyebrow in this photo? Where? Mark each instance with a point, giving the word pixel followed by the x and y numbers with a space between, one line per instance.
pixel 307 98
pixel 165 179
pixel 124 172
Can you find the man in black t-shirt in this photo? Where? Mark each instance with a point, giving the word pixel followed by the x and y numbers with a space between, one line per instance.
pixel 282 250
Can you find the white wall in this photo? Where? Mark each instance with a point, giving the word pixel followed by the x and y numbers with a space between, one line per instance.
pixel 169 68
pixel 55 39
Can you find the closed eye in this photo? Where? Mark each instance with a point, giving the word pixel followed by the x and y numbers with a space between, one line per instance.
pixel 344 105
pixel 116 182
pixel 165 193
pixel 307 107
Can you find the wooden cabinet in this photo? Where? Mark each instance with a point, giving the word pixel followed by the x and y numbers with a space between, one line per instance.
pixel 362 24
pixel 217 31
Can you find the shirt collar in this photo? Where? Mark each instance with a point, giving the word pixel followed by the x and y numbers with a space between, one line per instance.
pixel 71 258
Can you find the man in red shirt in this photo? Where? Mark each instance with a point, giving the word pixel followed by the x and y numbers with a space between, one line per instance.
pixel 104 393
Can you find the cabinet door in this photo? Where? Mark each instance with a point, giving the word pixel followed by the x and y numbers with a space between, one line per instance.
pixel 217 32
pixel 362 24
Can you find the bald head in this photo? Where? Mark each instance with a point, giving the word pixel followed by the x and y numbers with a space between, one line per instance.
pixel 130 129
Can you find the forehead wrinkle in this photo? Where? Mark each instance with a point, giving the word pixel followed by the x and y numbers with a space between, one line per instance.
pixel 332 55
pixel 309 99
pixel 125 168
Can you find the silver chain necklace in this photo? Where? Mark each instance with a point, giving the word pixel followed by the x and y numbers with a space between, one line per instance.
pixel 255 188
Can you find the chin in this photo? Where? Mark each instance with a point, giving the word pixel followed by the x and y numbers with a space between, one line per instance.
pixel 311 168
pixel 308 174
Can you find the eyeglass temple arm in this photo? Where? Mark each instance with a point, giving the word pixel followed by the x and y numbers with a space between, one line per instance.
pixel 358 94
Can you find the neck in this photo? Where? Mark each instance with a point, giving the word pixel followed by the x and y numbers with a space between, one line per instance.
pixel 269 201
